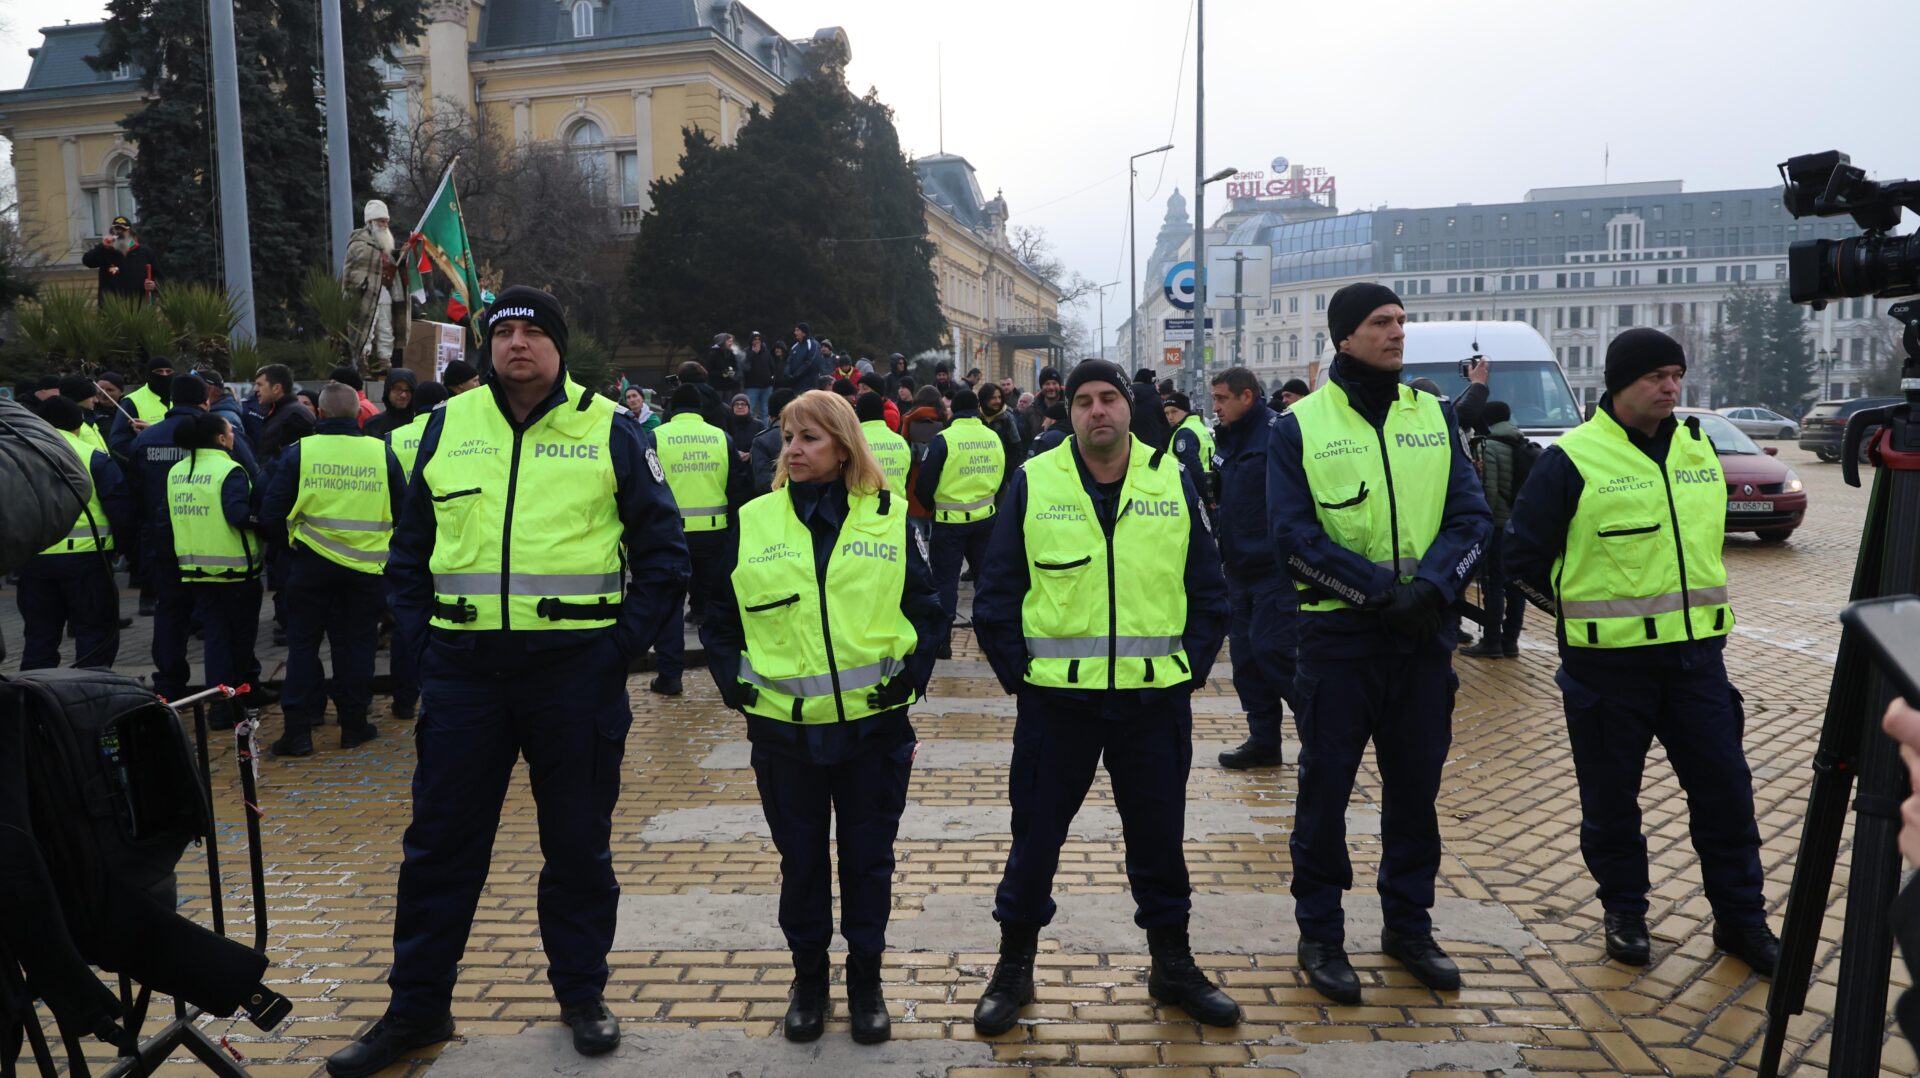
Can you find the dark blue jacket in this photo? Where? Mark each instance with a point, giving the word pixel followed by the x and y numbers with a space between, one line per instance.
pixel 117 502
pixel 823 508
pixel 1305 549
pixel 153 454
pixel 237 417
pixel 656 547
pixel 1046 440
pixel 1240 524
pixel 927 479
pixel 283 484
pixel 1536 534
pixel 804 367
pixel 1004 582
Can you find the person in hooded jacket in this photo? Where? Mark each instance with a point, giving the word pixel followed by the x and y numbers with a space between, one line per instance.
pixel 822 636
pixel 1149 411
pixel 896 371
pixel 1000 419
pixel 401 384
pixel 723 366
pixel 763 457
pixel 742 426
pixel 756 374
pixel 804 365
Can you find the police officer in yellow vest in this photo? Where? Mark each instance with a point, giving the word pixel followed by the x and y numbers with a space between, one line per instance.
pixel 402 666
pixel 1621 522
pixel 890 449
pixel 823 635
pixel 332 499
pixel 530 496
pixel 210 507
pixel 1101 607
pixel 709 483
pixel 960 481
pixel 70 584
pixel 1192 446
pixel 1379 518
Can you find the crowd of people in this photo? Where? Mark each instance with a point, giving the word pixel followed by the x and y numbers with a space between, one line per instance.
pixel 813 518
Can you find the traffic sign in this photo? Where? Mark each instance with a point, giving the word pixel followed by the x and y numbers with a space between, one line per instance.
pixel 1170 356
pixel 1179 285
pixel 1180 330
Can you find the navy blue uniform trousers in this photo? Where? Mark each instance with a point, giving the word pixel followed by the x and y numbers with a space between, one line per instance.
pixel 712 555
pixel 172 623
pixel 88 600
pixel 1056 747
pixel 1262 640
pixel 858 801
pixel 229 625
pixel 344 605
pixel 951 543
pixel 1404 704
pixel 1699 717
pixel 487 704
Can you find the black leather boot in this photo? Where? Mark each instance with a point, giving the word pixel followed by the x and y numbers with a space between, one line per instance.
pixel 355 731
pixel 865 1005
pixel 1176 980
pixel 807 1009
pixel 595 1030
pixel 297 740
pixel 1328 971
pixel 1423 958
pixel 390 1037
pixel 1753 944
pixel 1012 985
pixel 1627 939
pixel 1250 754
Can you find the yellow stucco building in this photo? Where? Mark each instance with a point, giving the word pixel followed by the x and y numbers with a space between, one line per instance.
pixel 616 80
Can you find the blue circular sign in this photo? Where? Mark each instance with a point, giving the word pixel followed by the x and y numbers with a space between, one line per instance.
pixel 1280 164
pixel 1179 285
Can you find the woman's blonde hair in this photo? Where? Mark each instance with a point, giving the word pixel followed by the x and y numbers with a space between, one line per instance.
pixel 831 413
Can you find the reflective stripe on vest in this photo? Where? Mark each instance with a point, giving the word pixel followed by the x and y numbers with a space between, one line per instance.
pixel 1083 630
pixel 695 456
pixel 90 531
pixel 1194 426
pixel 343 510
pixel 816 647
pixel 1623 580
pixel 205 546
pixel 526 527
pixel 406 444
pixel 896 458
pixel 976 462
pixel 1379 492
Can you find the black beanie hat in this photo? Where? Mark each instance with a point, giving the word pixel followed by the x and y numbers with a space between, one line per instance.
pixel 63 412
pixel 1496 412
pixel 870 407
pixel 686 398
pixel 458 372
pixel 534 306
pixel 78 387
pixel 1295 385
pixel 347 376
pixel 429 395
pixel 1351 305
pixel 966 401
pixel 1638 351
pixel 1144 375
pixel 1048 374
pixel 1178 400
pixel 188 389
pixel 1098 370
pixel 154 362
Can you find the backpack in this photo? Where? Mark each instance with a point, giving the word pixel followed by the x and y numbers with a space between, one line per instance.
pixel 43 484
pixel 113 787
pixel 1525 453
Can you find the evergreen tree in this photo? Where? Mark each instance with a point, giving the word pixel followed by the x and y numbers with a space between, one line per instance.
pixel 813 214
pixel 277 44
pixel 1760 351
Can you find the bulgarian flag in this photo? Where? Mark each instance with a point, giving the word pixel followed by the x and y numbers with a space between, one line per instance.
pixel 439 241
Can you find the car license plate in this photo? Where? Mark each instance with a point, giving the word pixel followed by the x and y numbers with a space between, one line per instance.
pixel 1749 507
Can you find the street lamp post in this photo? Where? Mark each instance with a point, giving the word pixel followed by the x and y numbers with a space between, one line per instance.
pixel 1133 264
pixel 1825 356
pixel 1102 289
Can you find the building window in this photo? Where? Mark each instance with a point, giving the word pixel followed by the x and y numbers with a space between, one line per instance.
pixel 1293 304
pixel 1319 301
pixel 1623 318
pixel 585 139
pixel 582 18
pixel 1858 349
pixel 1260 349
pixel 1293 346
pixel 628 165
pixel 114 196
pixel 1319 343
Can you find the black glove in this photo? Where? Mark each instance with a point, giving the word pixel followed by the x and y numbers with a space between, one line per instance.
pixel 738 695
pixel 1413 610
pixel 894 692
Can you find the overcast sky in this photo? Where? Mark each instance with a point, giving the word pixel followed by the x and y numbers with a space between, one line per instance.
pixel 1406 103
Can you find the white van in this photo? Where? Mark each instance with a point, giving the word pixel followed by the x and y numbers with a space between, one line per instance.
pixel 1521 370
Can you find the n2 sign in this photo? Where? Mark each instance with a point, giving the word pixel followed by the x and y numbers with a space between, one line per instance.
pixel 1179 285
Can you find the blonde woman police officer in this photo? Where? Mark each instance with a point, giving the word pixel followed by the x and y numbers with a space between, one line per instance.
pixel 822 636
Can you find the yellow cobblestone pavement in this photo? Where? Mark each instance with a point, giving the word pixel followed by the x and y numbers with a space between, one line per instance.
pixel 1509 818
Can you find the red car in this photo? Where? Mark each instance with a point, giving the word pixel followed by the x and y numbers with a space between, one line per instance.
pixel 1764 496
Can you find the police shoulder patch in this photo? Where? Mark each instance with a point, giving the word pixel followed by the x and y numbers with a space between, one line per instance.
pixel 653 465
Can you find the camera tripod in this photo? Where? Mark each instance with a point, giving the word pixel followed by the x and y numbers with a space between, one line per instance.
pixel 1853 746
